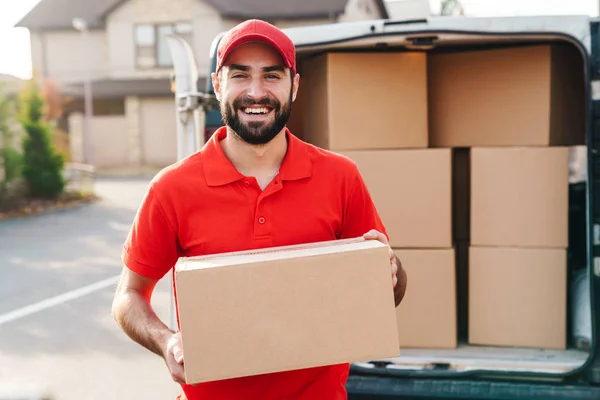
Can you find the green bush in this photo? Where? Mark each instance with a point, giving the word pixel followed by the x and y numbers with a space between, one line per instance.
pixel 42 166
pixel 13 163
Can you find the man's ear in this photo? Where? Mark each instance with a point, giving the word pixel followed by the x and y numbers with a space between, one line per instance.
pixel 295 86
pixel 216 82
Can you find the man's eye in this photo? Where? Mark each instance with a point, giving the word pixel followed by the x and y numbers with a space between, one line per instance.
pixel 237 76
pixel 272 76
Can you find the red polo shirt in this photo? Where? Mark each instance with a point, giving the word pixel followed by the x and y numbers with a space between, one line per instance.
pixel 203 205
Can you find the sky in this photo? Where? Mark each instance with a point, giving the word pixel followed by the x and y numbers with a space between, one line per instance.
pixel 15 58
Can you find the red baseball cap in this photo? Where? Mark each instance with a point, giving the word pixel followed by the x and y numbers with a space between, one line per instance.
pixel 255 30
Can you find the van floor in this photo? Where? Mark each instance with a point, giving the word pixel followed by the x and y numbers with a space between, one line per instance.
pixel 469 357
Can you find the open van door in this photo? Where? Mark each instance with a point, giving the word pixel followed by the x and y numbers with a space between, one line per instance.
pixel 190 114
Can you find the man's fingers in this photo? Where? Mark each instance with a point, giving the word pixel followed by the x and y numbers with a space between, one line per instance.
pixel 374 234
pixel 178 354
pixel 177 373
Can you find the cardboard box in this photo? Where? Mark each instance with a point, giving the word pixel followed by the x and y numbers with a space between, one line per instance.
pixel 427 315
pixel 517 297
pixel 353 101
pixel 461 195
pixel 526 96
pixel 411 189
pixel 286 308
pixel 520 197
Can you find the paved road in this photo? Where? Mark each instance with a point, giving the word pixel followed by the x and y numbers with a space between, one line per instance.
pixel 55 325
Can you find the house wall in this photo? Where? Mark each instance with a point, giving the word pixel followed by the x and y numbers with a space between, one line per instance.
pixel 145 136
pixel 282 24
pixel 107 145
pixel 159 131
pixel 66 56
pixel 208 23
pixel 37 52
pixel 121 27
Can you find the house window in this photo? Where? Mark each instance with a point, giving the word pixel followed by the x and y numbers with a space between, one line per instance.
pixel 152 49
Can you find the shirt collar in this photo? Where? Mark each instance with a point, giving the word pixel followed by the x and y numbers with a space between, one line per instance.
pixel 218 170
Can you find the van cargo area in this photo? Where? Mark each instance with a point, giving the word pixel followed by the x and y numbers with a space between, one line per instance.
pixel 470 144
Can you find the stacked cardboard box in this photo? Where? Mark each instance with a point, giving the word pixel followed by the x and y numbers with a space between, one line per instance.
pixel 510 115
pixel 372 108
pixel 465 156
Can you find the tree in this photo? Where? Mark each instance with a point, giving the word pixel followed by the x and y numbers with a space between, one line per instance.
pixel 10 157
pixel 42 166
pixel 451 7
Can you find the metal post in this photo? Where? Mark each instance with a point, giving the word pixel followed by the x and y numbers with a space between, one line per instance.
pixel 88 150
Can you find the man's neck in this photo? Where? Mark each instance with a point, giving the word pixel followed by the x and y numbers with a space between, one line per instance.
pixel 261 162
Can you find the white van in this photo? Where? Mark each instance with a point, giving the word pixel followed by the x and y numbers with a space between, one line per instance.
pixel 494 66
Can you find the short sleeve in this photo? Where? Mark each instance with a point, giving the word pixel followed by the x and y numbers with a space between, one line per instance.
pixel 360 214
pixel 151 248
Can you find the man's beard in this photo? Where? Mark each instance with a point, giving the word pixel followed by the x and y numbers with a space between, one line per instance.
pixel 254 132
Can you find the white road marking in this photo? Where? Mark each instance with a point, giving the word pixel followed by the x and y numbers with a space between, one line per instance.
pixel 60 299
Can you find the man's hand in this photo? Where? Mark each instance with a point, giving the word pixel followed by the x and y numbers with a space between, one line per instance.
pixel 133 312
pixel 174 358
pixel 398 273
pixel 376 235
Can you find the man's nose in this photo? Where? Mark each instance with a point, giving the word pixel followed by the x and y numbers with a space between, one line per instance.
pixel 256 90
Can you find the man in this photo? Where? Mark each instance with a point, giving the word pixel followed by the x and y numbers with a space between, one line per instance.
pixel 253 185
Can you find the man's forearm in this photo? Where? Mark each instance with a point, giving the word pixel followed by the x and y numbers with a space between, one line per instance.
pixel 400 287
pixel 133 314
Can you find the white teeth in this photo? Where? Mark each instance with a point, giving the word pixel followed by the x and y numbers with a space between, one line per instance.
pixel 256 110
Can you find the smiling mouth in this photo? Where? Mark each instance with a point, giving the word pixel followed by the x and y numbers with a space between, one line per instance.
pixel 256 110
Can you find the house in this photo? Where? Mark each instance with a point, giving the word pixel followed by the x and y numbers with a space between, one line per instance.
pixel 119 47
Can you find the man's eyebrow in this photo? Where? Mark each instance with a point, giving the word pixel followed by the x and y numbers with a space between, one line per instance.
pixel 270 68
pixel 239 67
pixel 273 68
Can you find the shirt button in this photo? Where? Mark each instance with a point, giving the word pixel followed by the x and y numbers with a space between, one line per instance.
pixel 261 220
pixel 246 183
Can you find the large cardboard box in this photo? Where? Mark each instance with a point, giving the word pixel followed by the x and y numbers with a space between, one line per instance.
pixel 352 101
pixel 285 308
pixel 427 315
pixel 412 190
pixel 520 197
pixel 524 96
pixel 517 297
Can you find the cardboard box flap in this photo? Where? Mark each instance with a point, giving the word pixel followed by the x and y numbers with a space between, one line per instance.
pixel 276 253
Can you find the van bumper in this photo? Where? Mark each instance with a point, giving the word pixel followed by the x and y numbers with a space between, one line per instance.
pixel 388 388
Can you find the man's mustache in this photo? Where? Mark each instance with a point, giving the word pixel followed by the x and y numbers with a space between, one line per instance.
pixel 248 101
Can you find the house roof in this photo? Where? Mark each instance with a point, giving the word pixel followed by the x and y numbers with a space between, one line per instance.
pixel 119 88
pixel 284 9
pixel 59 14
